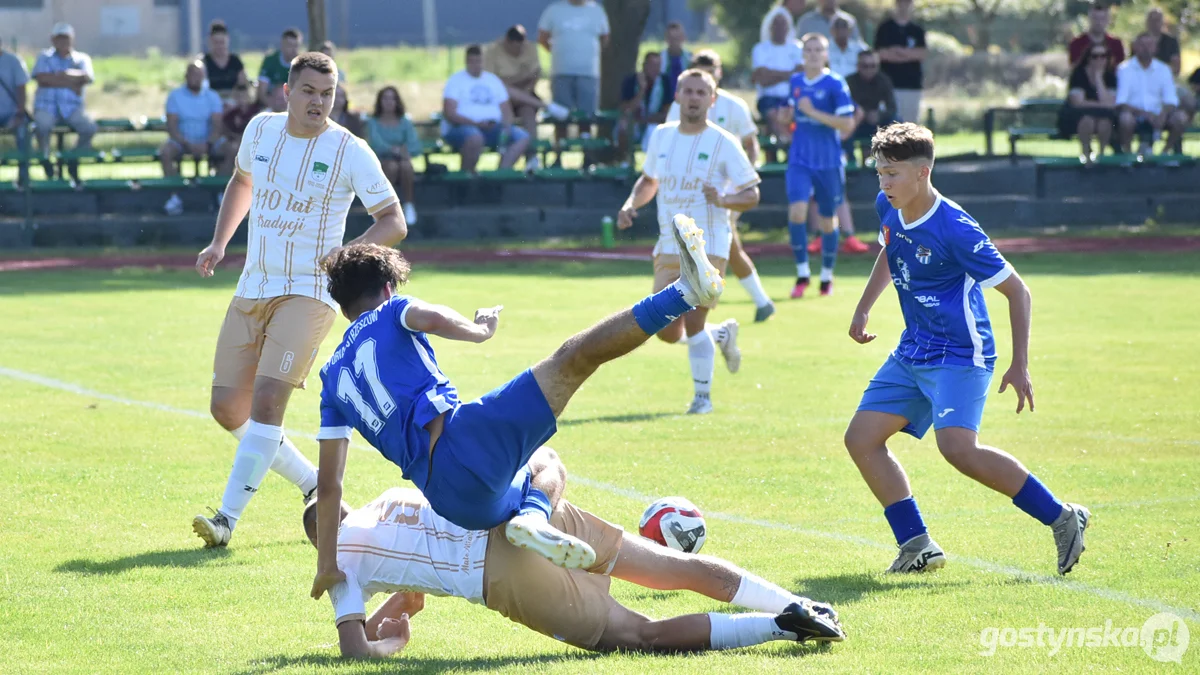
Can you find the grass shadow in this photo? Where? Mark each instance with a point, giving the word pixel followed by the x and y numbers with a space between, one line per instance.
pixel 616 419
pixel 850 588
pixel 179 558
pixel 419 664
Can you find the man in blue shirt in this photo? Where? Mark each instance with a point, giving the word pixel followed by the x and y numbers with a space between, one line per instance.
pixel 62 74
pixel 469 459
pixel 823 110
pixel 939 260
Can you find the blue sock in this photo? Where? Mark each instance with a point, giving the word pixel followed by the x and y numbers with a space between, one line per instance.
pixel 1037 500
pixel 905 519
pixel 535 503
pixel 798 232
pixel 829 250
pixel 656 312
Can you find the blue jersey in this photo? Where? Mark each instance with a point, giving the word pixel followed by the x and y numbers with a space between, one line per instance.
pixel 939 265
pixel 815 145
pixel 383 381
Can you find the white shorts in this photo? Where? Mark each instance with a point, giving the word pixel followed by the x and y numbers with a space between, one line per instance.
pixel 717 241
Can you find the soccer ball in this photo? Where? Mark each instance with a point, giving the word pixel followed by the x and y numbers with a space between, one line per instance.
pixel 674 522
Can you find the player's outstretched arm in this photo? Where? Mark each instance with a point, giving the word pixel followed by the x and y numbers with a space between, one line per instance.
pixel 881 276
pixel 643 191
pixel 329 510
pixel 234 207
pixel 353 641
pixel 446 323
pixel 1020 314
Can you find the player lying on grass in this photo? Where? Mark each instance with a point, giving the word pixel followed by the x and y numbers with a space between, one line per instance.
pixel 469 459
pixel 939 259
pixel 399 544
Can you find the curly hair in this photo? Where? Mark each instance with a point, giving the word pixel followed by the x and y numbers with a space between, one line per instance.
pixel 363 271
pixel 902 142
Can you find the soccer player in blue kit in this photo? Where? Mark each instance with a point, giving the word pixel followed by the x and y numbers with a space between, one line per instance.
pixel 469 459
pixel 939 260
pixel 824 109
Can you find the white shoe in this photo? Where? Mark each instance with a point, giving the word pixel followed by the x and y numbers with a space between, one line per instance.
pixel 703 282
pixel 174 205
pixel 701 405
pixel 410 214
pixel 537 535
pixel 729 347
pixel 214 531
pixel 919 554
pixel 558 112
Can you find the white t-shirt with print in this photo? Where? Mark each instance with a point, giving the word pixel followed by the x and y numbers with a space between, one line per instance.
pixel 478 98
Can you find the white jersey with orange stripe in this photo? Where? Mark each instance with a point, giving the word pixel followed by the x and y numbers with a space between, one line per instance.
pixel 397 543
pixel 303 190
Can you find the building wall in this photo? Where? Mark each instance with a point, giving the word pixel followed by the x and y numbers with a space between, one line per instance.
pixel 101 26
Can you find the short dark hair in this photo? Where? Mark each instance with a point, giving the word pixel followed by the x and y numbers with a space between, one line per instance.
pixel 903 142
pixel 311 61
pixel 218 27
pixel 674 24
pixel 291 33
pixel 515 34
pixel 364 270
pixel 706 58
pixel 328 44
pixel 867 52
pixel 474 50
pixel 400 109
pixel 1100 5
pixel 647 55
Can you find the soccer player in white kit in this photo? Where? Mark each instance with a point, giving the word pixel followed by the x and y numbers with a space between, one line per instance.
pixel 733 115
pixel 698 170
pixel 297 175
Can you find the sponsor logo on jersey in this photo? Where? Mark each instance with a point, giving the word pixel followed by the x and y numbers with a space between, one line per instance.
pixel 945 412
pixel 379 188
pixel 928 300
pixel 904 276
pixel 319 171
pixel 923 255
pixel 262 158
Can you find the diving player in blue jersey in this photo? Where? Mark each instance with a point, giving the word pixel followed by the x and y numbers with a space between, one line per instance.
pixel 939 260
pixel 469 459
pixel 823 109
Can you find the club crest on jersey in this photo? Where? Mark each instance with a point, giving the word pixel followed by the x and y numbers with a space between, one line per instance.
pixel 887 235
pixel 923 255
pixel 319 171
pixel 703 156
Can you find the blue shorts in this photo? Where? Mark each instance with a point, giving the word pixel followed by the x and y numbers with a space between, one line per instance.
pixel 941 396
pixel 479 475
pixel 827 186
pixel 456 136
pixel 768 103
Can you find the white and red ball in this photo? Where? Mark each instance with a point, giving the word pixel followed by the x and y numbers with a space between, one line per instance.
pixel 674 522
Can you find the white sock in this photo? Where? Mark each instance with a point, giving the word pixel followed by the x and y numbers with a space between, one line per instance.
pixel 701 351
pixel 802 270
pixel 255 453
pixel 295 467
pixel 754 287
pixel 730 631
pixel 717 331
pixel 826 274
pixel 761 595
pixel 240 432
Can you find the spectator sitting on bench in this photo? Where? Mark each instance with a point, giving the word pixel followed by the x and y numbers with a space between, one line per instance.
pixel 234 121
pixel 61 74
pixel 351 119
pixel 476 112
pixel 273 73
pixel 1099 16
pixel 514 59
pixel 391 134
pixel 13 116
pixel 222 67
pixel 1147 98
pixel 1090 109
pixel 194 128
pixel 774 62
pixel 644 105
pixel 874 100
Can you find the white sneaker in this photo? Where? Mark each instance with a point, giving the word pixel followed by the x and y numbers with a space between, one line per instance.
pixel 533 164
pixel 214 531
pixel 174 205
pixel 703 282
pixel 701 405
pixel 537 535
pixel 919 554
pixel 558 112
pixel 410 214
pixel 729 347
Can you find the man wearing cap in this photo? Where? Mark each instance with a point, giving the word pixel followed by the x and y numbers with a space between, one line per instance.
pixel 61 74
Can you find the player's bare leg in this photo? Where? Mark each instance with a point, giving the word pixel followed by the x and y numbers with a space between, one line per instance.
pixel 230 407
pixel 747 275
pixel 548 478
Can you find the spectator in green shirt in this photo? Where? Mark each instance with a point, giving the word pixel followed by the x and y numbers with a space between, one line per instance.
pixel 277 64
pixel 391 134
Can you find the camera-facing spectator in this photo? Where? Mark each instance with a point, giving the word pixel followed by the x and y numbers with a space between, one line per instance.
pixel 1090 110
pixel 874 98
pixel 774 63
pixel 276 100
pixel 194 129
pixel 675 59
pixel 1147 98
pixel 14 78
pixel 476 112
pixel 514 59
pixel 235 119
pixel 391 134
pixel 1099 17
pixel 791 10
pixel 273 73
pixel 820 21
pixel 900 43
pixel 644 104
pixel 574 31
pixel 222 67
pixel 1165 46
pixel 62 74
pixel 844 49
pixel 345 115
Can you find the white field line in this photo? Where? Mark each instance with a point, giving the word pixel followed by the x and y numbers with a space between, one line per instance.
pixel 985 565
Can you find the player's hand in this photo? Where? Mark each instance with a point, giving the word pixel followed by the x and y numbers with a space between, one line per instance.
pixel 625 217
pixel 329 256
pixel 806 106
pixel 208 259
pixel 858 329
pixel 489 318
pixel 325 581
pixel 395 628
pixel 711 195
pixel 1018 377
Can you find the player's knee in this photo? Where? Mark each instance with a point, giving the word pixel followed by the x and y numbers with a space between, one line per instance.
pixel 227 412
pixel 958 453
pixel 858 442
pixel 798 212
pixel 546 459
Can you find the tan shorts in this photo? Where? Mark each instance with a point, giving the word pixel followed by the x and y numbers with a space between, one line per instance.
pixel 272 337
pixel 567 605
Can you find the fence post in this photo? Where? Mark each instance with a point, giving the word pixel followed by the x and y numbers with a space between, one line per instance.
pixel 989 126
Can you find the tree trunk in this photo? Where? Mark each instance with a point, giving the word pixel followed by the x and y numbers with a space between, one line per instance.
pixel 316 24
pixel 626 20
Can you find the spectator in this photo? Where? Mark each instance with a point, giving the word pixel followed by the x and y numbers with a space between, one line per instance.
pixel 1189 100
pixel 1090 109
pixel 476 111
pixel 352 120
pixel 874 99
pixel 774 63
pixel 1165 47
pixel 234 121
pixel 13 114
pixel 821 21
pixel 1147 98
pixel 514 60
pixel 275 66
pixel 223 68
pixel 791 10
pixel 901 46
pixel 276 99
pixel 329 49
pixel 193 128
pixel 574 31
pixel 644 104
pixel 1099 15
pixel 843 51
pixel 61 74
pixel 676 59
pixel 391 134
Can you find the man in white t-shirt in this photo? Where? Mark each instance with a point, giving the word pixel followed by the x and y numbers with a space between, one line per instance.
pixel 733 115
pixel 774 62
pixel 398 544
pixel 297 174
pixel 700 171
pixel 1147 98
pixel 476 112
pixel 843 48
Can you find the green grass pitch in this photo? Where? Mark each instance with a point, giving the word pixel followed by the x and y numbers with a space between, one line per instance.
pixel 101 572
